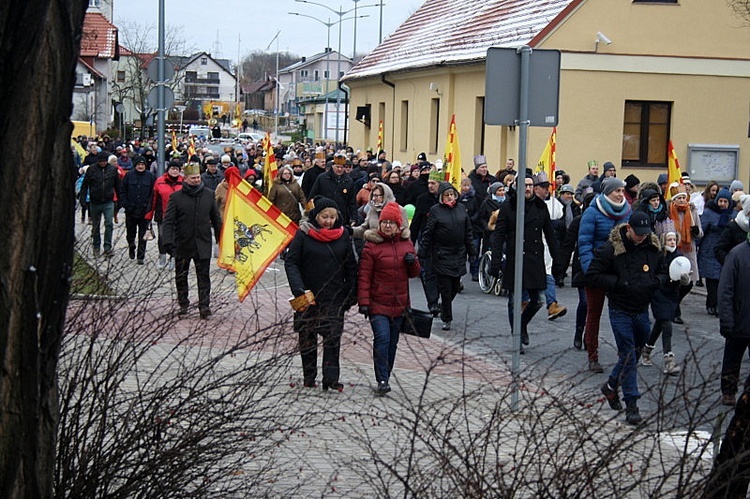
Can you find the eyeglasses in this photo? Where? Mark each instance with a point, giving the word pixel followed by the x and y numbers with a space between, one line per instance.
pixel 391 223
pixel 379 196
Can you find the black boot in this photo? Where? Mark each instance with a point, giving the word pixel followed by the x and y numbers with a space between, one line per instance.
pixel 578 339
pixel 632 416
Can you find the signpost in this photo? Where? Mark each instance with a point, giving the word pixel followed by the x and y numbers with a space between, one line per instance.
pixel 521 90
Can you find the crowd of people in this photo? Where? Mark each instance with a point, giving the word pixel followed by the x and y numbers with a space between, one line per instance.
pixel 367 224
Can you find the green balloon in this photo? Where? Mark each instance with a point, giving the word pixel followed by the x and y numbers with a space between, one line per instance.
pixel 409 210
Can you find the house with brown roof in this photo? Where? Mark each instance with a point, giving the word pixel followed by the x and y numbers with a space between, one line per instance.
pixel 92 93
pixel 634 75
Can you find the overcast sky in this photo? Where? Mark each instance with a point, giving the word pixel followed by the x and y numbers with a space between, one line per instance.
pixel 228 28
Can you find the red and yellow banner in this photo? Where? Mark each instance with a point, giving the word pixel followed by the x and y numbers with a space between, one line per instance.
pixel 253 234
pixel 673 166
pixel 270 166
pixel 174 142
pixel 191 148
pixel 380 138
pixel 452 158
pixel 546 161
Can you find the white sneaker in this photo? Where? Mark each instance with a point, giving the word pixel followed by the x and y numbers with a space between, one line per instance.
pixel 170 264
pixel 161 262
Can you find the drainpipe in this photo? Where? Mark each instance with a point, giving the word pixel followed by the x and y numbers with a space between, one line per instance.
pixel 345 89
pixel 393 113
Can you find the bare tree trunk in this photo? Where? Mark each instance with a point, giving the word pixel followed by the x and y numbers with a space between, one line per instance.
pixel 39 43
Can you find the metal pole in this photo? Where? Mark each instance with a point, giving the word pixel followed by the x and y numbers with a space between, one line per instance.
pixel 276 106
pixel 160 156
pixel 354 45
pixel 380 33
pixel 328 72
pixel 338 75
pixel 523 130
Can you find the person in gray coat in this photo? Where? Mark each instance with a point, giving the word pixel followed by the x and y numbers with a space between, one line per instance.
pixel 191 214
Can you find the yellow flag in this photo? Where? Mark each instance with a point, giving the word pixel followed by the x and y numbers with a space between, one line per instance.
pixel 270 166
pixel 380 137
pixel 452 162
pixel 546 161
pixel 253 234
pixel 673 166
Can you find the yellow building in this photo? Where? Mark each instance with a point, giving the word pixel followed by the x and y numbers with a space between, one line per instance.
pixel 634 75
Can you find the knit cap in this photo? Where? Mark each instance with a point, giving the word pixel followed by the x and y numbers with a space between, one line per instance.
pixel 724 194
pixel 391 211
pixel 610 184
pixel 736 185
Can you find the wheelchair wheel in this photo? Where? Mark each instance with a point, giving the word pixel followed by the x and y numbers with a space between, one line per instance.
pixel 486 281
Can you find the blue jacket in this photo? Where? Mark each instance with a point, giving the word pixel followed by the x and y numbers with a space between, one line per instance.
pixel 708 265
pixel 596 227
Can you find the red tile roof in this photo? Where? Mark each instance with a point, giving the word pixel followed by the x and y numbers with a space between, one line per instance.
pixel 455 32
pixel 99 37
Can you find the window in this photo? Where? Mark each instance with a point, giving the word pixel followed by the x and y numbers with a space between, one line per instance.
pixel 213 75
pixel 404 135
pixel 303 73
pixel 434 125
pixel 95 3
pixel 325 74
pixel 645 133
pixel 120 76
pixel 316 75
pixel 204 61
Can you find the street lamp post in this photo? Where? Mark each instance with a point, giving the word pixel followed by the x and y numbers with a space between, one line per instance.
pixel 341 13
pixel 276 87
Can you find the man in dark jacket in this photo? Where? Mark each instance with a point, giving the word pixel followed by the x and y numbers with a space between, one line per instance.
pixel 729 476
pixel 630 267
pixel 311 175
pixel 136 194
pixel 100 184
pixel 212 177
pixel 419 186
pixel 191 214
pixel 418 222
pixel 480 178
pixel 335 184
pixel 735 232
pixel 536 223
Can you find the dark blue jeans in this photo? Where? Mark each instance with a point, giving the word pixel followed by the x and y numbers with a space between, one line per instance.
pixel 581 310
pixel 385 333
pixel 631 330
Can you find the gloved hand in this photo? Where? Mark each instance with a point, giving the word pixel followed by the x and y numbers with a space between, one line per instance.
pixel 695 231
pixel 410 258
pixel 685 278
pixel 364 311
pixel 725 331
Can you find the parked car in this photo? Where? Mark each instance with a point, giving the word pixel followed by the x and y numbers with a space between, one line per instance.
pixel 250 136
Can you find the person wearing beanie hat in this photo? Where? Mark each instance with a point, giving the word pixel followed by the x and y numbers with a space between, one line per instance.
pixel 100 187
pixel 652 203
pixel 632 184
pixel 662 180
pixel 736 231
pixel 192 213
pixel 447 241
pixel 385 267
pixel 609 171
pixel 422 207
pixel 688 225
pixel 609 208
pixel 136 195
pixel 495 197
pixel 335 184
pixel 561 178
pixel 321 260
pixel 716 216
pixel 480 180
pixel 735 186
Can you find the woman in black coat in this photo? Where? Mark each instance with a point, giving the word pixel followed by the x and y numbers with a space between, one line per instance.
pixel 446 241
pixel 321 259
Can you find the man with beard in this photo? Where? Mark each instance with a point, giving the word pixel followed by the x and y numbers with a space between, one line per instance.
pixel 191 214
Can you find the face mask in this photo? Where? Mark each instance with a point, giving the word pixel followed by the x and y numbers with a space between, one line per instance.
pixel 497 198
pixel 671 248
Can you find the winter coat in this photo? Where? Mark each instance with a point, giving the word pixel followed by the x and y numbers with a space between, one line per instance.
pixel 308 180
pixel 692 253
pixel 485 212
pixel 288 197
pixel 665 300
pixel 447 239
pixel 339 188
pixel 372 216
pixel 708 264
pixel 191 214
pixel 596 226
pixel 480 185
pixel 536 224
pixel 136 194
pixel 164 187
pixel 416 189
pixel 399 192
pixel 421 211
pixel 653 216
pixel 732 235
pixel 383 279
pixel 629 274
pixel 584 187
pixel 101 185
pixel 329 269
pixel 471 202
pixel 570 247
pixel 734 292
pixel 212 180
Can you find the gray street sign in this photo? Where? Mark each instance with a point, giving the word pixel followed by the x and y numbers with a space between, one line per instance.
pixel 502 87
pixel 153 70
pixel 153 96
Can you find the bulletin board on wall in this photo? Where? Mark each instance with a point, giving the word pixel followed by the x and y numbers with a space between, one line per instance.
pixel 719 162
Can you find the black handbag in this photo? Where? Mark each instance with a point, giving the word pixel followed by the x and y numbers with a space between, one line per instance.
pixel 417 323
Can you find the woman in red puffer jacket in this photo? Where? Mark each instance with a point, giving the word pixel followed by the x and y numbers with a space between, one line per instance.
pixel 387 263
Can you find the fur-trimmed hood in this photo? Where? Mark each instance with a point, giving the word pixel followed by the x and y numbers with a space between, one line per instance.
pixel 616 238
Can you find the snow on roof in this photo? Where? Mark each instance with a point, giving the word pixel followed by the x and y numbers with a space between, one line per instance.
pixel 454 32
pixel 99 38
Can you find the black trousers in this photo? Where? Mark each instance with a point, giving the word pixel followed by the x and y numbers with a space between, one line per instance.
pixel 181 267
pixel 712 293
pixel 327 322
pixel 429 284
pixel 730 474
pixel 448 288
pixel 136 226
pixel 734 349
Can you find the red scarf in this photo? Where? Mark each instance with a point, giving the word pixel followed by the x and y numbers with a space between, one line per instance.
pixel 326 235
pixel 684 227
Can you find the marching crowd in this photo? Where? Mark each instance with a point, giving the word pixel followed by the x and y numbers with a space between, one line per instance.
pixel 368 224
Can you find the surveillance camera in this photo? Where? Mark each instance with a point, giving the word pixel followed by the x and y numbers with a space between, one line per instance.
pixel 601 37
